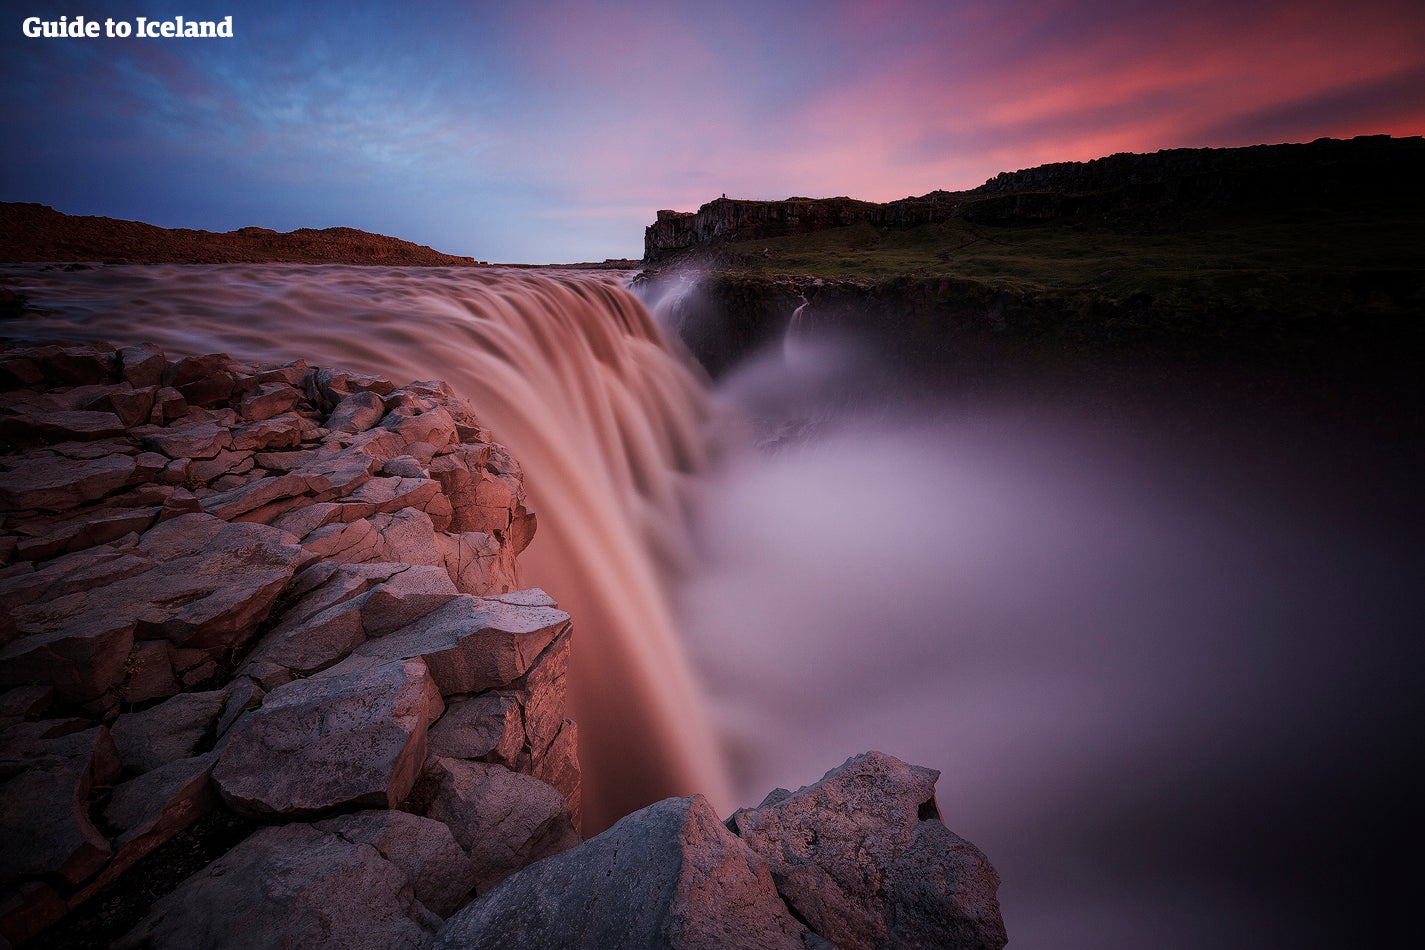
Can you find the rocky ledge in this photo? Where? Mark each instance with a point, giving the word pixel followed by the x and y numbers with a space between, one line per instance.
pixel 270 679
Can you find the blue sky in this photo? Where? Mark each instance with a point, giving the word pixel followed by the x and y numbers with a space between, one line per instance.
pixel 545 132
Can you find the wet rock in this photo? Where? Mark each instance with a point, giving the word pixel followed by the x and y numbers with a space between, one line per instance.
pixel 289 886
pixel 864 860
pixel 505 820
pixel 332 741
pixel 670 876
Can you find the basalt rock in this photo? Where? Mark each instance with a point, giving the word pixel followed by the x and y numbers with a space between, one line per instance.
pixel 290 593
pixel 232 587
pixel 863 857
pixel 860 859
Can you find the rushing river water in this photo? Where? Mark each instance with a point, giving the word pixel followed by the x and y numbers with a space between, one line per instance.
pixel 1164 655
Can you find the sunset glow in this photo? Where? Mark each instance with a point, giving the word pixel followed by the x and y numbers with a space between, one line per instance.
pixel 553 131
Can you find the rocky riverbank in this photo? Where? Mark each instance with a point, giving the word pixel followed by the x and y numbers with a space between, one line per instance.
pixel 264 623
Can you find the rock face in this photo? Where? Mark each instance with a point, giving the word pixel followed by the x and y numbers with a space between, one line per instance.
pixel 257 589
pixel 285 598
pixel 860 859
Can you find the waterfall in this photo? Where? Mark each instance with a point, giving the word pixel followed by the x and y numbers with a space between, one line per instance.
pixel 1161 639
pixel 568 372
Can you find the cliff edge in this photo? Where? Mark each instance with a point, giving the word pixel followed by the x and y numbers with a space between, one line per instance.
pixel 268 677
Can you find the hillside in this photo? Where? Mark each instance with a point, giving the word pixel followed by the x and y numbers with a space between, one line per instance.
pixel 36 233
pixel 1271 250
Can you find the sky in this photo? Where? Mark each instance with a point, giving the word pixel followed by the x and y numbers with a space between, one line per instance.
pixel 545 132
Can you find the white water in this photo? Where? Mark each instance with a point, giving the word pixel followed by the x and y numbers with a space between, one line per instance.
pixel 1164 660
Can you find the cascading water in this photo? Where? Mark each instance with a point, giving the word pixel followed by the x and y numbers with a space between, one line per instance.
pixel 571 375
pixel 1164 653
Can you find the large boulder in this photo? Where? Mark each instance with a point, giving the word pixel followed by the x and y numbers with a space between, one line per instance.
pixel 668 876
pixel 863 857
pixel 332 741
pixel 505 820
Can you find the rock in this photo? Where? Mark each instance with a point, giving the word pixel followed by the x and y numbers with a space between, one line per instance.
pixel 405 598
pixel 667 876
pixel 268 400
pixel 53 483
pixel 335 385
pixel 44 815
pixel 24 702
pixel 83 659
pixel 505 820
pixel 357 413
pixel 197 440
pixel 332 741
pixel 27 910
pixel 142 365
pixel 289 886
pixel 169 731
pixel 132 406
pixel 486 728
pixel 478 563
pixel 151 809
pixel 438 868
pixel 229 505
pixel 197 581
pixel 864 860
pixel 79 425
pixel 472 644
pixel 150 672
pixel 409 537
pixel 279 432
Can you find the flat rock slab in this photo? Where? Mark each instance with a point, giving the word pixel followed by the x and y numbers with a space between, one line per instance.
pixel 667 876
pixel 864 859
pixel 473 644
pixel 332 741
pixel 55 483
pixel 202 583
pixel 289 886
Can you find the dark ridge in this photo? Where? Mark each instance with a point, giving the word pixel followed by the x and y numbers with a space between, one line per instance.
pixel 33 233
